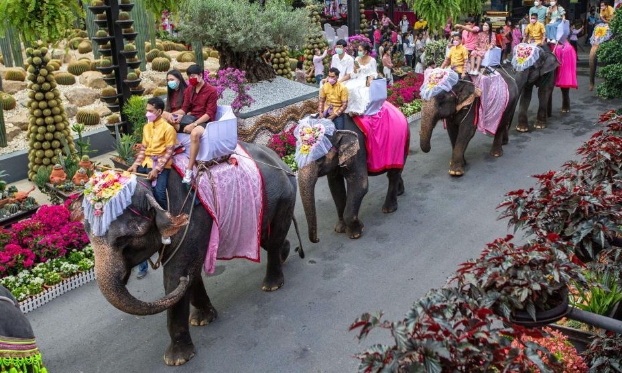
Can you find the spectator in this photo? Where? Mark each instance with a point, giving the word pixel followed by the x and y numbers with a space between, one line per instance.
pixel 198 109
pixel 400 41
pixel 336 96
pixel 517 35
pixel 469 34
pixel 176 85
pixel 591 23
pixel 377 39
pixel 575 30
pixel 299 75
pixel 500 37
pixel 507 42
pixel 409 48
pixel 539 9
pixel 421 24
pixel 556 15
pixel 387 66
pixel 448 27
pixel 386 21
pixel 343 62
pixel 318 64
pixel 534 32
pixel 404 24
pixel 458 56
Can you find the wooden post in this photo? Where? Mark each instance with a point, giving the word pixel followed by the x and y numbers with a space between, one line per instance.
pixel 354 18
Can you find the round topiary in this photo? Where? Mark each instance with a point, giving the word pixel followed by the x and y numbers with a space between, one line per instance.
pixel 152 54
pixel 186 57
pixel 87 117
pixel 160 91
pixel 7 102
pixel 160 64
pixel 64 78
pixel 78 67
pixel 15 74
pixel 85 47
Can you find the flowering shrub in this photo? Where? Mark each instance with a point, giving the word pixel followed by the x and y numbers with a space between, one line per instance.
pixel 284 144
pixel 560 347
pixel 48 234
pixel 234 79
pixel 405 90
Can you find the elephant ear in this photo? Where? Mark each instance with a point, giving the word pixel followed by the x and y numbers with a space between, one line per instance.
pixel 548 63
pixel 167 224
pixel 348 145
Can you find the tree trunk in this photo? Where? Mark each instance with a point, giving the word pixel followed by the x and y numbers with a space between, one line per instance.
pixel 252 63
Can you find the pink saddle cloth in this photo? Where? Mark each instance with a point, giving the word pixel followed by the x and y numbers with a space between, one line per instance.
pixel 566 74
pixel 494 100
pixel 387 138
pixel 232 193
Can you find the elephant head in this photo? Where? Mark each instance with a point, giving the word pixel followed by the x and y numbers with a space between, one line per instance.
pixel 132 238
pixel 345 147
pixel 546 63
pixel 443 106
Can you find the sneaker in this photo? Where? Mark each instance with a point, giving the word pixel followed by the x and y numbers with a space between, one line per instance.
pixel 166 240
pixel 141 274
pixel 187 177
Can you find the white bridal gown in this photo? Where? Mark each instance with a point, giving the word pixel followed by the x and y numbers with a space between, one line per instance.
pixel 358 91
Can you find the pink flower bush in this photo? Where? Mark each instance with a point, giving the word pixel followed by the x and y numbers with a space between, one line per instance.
pixel 405 90
pixel 235 80
pixel 48 234
pixel 284 142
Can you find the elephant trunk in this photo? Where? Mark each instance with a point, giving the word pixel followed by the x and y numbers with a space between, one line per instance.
pixel 429 117
pixel 110 271
pixel 593 62
pixel 307 177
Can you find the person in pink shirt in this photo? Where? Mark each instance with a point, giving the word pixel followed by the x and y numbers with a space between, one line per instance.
pixel 318 64
pixel 377 39
pixel 507 41
pixel 517 36
pixel 387 66
pixel 469 34
pixel 486 40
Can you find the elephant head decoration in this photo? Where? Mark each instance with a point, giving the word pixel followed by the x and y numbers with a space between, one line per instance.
pixel 135 235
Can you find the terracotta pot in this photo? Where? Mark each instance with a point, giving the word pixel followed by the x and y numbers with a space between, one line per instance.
pixel 87 165
pixel 80 178
pixel 543 318
pixel 58 175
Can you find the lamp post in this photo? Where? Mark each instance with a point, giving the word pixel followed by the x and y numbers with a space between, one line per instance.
pixel 354 18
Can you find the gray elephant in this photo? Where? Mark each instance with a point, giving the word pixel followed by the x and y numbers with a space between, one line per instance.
pixel 345 167
pixel 459 109
pixel 16 336
pixel 136 235
pixel 541 75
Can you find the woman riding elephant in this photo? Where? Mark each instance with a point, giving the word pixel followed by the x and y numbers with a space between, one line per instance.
pixel 134 236
pixel 458 102
pixel 600 35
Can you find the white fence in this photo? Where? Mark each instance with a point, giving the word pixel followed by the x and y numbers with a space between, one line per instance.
pixel 47 295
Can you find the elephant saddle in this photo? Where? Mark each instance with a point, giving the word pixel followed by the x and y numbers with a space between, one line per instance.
pixel 387 138
pixel 493 101
pixel 232 193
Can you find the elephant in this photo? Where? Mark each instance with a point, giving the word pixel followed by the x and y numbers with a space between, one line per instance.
pixel 345 167
pixel 136 235
pixel 13 323
pixel 460 117
pixel 542 75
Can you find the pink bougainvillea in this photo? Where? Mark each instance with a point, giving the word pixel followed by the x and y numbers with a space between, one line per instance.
pixel 405 90
pixel 235 80
pixel 284 142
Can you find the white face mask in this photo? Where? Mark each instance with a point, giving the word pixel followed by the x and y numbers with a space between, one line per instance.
pixel 553 3
pixel 536 3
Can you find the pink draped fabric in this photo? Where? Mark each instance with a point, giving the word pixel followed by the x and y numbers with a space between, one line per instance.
pixel 236 207
pixel 494 100
pixel 566 74
pixel 387 137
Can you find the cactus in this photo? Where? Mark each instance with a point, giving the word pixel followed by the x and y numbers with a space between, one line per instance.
pixel 160 64
pixel 205 54
pixel 12 208
pixel 113 119
pixel 63 78
pixel 94 64
pixel 180 47
pixel 101 17
pixel 3 142
pixel 129 47
pixel 186 57
pixel 101 33
pixel 78 67
pixel 87 117
pixel 152 54
pixel 108 91
pixel 169 46
pixel 74 43
pixel 132 76
pixel 85 47
pixel 160 91
pixel 15 74
pixel 105 62
pixel 7 102
pixel 214 54
pixel 124 16
pixel 129 30
pixel 164 55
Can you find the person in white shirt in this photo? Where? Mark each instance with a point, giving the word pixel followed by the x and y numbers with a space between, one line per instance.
pixel 404 24
pixel 409 49
pixel 342 61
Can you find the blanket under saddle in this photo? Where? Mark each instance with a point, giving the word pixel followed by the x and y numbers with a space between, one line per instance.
pixel 232 193
pixel 494 100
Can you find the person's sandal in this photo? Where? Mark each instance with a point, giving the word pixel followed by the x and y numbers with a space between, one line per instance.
pixel 187 177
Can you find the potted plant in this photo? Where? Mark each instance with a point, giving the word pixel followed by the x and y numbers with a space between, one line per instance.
pixel 604 354
pixel 527 284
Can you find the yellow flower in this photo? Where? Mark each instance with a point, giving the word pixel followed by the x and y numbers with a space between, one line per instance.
pixel 305 149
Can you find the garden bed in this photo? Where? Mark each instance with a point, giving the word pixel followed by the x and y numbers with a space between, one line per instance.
pixel 36 301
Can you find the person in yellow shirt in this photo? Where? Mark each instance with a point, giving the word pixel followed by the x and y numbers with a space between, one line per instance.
pixel 457 57
pixel 421 24
pixel 534 32
pixel 335 95
pixel 606 12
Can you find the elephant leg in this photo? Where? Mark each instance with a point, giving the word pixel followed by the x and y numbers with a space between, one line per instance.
pixel 390 202
pixel 544 93
pixel 203 312
pixel 276 243
pixel 357 189
pixel 525 100
pixel 400 186
pixel 593 63
pixel 337 187
pixel 465 132
pixel 565 100
pixel 181 349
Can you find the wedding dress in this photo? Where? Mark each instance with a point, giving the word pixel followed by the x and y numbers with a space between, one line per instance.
pixel 358 91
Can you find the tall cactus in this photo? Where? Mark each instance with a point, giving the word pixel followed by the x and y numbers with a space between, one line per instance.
pixel 197 47
pixel 3 142
pixel 92 28
pixel 5 47
pixel 142 22
pixel 16 46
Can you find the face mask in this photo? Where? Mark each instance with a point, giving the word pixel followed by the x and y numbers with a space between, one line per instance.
pixel 193 81
pixel 361 54
pixel 485 28
pixel 151 117
pixel 533 21
pixel 456 42
pixel 339 50
pixel 553 3
pixel 536 3
pixel 603 7
pixel 173 84
pixel 332 81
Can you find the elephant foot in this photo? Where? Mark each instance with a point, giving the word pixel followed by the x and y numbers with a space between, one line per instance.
pixel 458 172
pixel 178 354
pixel 522 129
pixel 285 251
pixel 273 284
pixel 355 230
pixel 496 153
pixel 389 207
pixel 564 111
pixel 202 317
pixel 539 125
pixel 340 227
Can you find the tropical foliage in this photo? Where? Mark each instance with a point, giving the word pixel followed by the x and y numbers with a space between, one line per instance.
pixel 39 20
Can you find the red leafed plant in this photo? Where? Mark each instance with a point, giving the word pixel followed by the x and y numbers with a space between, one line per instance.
pixel 560 347
pixel 405 90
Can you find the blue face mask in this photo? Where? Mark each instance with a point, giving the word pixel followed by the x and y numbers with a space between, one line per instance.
pixel 361 54
pixel 173 84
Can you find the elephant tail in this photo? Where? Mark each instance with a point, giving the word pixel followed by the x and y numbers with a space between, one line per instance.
pixel 299 249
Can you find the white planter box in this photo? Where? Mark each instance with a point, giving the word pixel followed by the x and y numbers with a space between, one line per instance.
pixel 413 117
pixel 47 295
